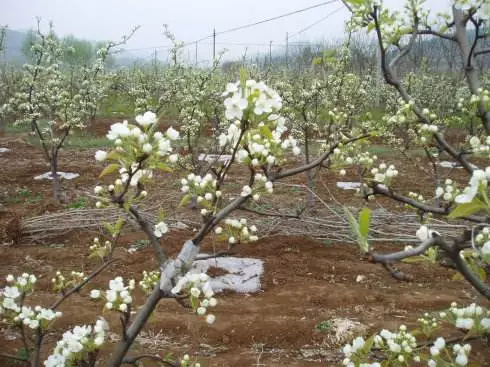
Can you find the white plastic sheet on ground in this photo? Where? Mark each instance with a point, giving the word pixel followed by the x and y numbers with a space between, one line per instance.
pixel 4 150
pixel 214 157
pixel 448 164
pixel 348 185
pixel 243 274
pixel 65 175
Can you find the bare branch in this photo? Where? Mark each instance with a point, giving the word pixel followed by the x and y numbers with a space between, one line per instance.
pixel 449 37
pixel 385 191
pixel 482 51
pixel 81 285
pixel 316 162
pixel 400 255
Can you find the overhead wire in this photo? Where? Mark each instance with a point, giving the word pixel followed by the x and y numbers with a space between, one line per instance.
pixel 245 26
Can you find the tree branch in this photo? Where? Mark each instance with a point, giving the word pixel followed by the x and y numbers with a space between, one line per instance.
pixel 81 285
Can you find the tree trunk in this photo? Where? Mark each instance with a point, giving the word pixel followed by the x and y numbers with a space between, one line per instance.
pixel 309 173
pixel 56 185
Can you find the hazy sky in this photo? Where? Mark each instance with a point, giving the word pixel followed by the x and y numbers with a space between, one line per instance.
pixel 188 20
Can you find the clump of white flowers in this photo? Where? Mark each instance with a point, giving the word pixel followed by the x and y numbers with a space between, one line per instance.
pixel 118 296
pixel 424 233
pixel 441 356
pixel 37 317
pixel 428 324
pixel 160 229
pixel 261 184
pixel 99 249
pixel 78 345
pixel 186 362
pixel 263 143
pixel 203 190
pixel 24 283
pixel 478 182
pixel 482 242
pixel 237 231
pixel 139 149
pixel 8 306
pixel 448 192
pixel 383 174
pixel 198 288
pixel 149 281
pixel 11 298
pixel 480 146
pixel 473 318
pixel 61 283
pixel 416 196
pixel 400 348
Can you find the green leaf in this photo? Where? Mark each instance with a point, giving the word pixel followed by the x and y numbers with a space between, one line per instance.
pixel 265 131
pixel 243 76
pixel 457 276
pixel 354 226
pixel 185 200
pixel 415 259
pixel 368 344
pixel 356 2
pixel 466 209
pixel 111 168
pixel 118 226
pixel 113 155
pixel 364 222
pixel 163 167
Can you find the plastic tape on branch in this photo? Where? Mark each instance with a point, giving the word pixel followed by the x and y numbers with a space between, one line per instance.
pixel 178 266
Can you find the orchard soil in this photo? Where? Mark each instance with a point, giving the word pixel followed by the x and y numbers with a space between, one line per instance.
pixel 306 286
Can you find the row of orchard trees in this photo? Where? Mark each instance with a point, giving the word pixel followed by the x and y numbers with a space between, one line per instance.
pixel 263 121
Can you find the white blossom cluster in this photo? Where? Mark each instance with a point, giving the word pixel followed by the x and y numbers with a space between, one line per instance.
pixel 203 189
pixel 472 318
pixel 149 281
pixel 399 346
pixel 482 240
pixel 253 96
pixel 77 344
pixel 118 296
pixel 441 357
pixel 24 282
pixel 8 306
pixel 424 233
pixel 198 288
pixel 185 362
pixel 352 154
pixel 264 142
pixel 37 317
pixel 237 231
pixel 383 173
pixel 481 6
pixel 478 181
pixel 416 196
pixel 480 146
pixel 261 183
pixel 138 150
pixel 428 324
pixel 99 249
pixel 11 309
pixel 160 229
pixel 61 283
pixel 449 192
